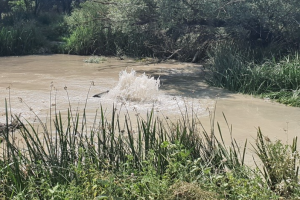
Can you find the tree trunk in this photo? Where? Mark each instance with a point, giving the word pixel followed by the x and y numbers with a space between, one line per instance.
pixel 37 7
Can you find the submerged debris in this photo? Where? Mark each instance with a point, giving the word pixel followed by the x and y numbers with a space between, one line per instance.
pixel 100 94
pixel 15 124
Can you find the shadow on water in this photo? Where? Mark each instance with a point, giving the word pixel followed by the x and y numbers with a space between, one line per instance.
pixel 116 64
pixel 188 81
pixel 175 78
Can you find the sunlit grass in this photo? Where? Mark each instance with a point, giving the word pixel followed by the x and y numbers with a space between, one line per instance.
pixel 95 59
pixel 237 70
pixel 113 159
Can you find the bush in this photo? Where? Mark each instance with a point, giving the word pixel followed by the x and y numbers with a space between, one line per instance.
pixel 280 164
pixel 23 38
pixel 183 30
pixel 90 31
pixel 52 26
pixel 187 191
pixel 245 184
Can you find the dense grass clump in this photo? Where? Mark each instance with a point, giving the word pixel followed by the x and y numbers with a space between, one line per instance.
pixel 95 59
pixel 280 164
pixel 22 38
pixel 239 70
pixel 158 159
pixel 31 35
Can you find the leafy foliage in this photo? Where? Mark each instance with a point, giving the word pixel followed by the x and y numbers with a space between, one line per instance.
pixel 108 162
pixel 280 164
pixel 23 38
pixel 183 30
pixel 145 28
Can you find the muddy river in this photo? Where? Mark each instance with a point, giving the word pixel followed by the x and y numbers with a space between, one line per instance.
pixel 34 84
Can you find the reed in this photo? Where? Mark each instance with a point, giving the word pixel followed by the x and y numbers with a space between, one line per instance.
pixel 280 163
pixel 54 154
pixel 63 152
pixel 20 39
pixel 237 70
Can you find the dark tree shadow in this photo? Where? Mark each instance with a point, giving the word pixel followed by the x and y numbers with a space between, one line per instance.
pixel 188 81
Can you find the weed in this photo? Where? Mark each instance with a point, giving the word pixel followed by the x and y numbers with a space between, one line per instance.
pixel 109 162
pixel 236 69
pixel 280 164
pixel 184 190
pixel 95 59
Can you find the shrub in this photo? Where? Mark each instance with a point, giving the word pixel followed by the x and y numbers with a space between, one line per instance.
pixel 23 38
pixel 52 25
pixel 187 191
pixel 246 184
pixel 280 164
pixel 90 31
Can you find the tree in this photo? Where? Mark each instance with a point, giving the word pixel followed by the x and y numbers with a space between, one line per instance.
pixel 3 7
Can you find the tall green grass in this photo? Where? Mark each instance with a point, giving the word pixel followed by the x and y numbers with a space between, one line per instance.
pixel 237 69
pixel 20 39
pixel 107 146
pixel 114 159
pixel 280 163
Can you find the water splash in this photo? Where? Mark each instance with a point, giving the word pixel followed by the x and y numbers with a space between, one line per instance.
pixel 142 93
pixel 132 87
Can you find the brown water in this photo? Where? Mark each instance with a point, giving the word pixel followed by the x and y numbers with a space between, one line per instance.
pixel 58 81
pixel 41 82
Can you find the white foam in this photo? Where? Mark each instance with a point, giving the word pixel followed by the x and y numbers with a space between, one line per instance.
pixel 138 93
pixel 141 93
pixel 135 88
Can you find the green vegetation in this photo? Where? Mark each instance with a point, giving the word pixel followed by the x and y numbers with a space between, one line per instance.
pixel 158 159
pixel 95 59
pixel 21 39
pixel 280 164
pixel 183 30
pixel 88 33
pixel 238 70
pixel 250 46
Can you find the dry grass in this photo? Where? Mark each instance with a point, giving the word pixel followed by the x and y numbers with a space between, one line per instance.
pixel 189 191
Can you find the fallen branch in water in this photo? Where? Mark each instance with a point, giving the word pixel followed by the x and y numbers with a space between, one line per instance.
pixel 100 94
